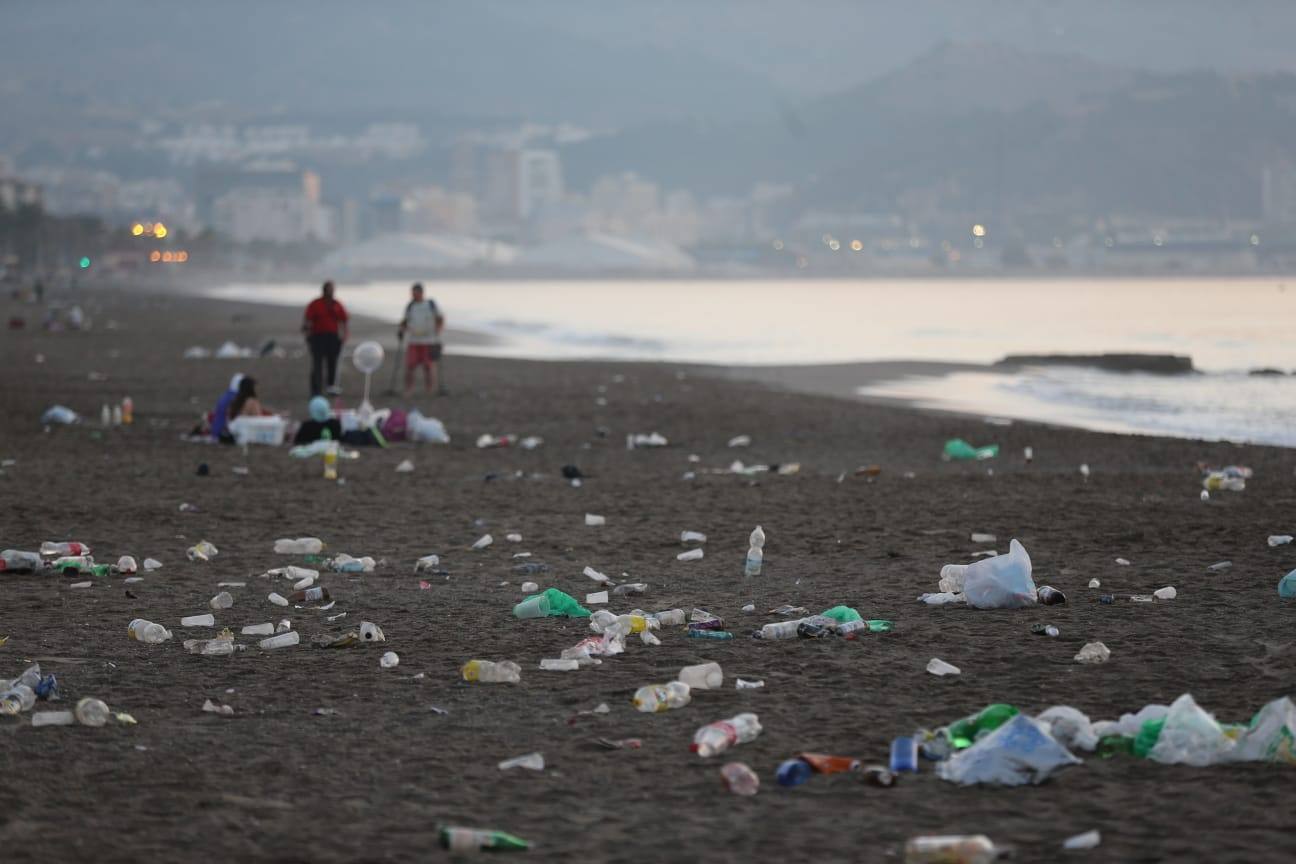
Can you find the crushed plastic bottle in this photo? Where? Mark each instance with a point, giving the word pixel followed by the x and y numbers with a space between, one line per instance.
pixel 739 779
pixel 715 738
pixel 146 631
pixel 655 698
pixel 952 849
pixel 300 546
pixel 487 672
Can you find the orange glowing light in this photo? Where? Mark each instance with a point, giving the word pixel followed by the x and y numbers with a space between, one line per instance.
pixel 155 256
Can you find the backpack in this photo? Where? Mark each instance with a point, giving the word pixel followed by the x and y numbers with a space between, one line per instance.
pixel 394 427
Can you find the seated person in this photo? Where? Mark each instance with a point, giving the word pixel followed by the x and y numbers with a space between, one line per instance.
pixel 246 403
pixel 321 421
pixel 220 417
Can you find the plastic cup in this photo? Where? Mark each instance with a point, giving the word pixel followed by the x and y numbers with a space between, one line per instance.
pixel 532 607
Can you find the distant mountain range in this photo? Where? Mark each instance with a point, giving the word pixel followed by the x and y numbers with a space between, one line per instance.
pixel 992 129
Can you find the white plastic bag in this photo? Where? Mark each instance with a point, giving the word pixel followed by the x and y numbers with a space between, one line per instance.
pixel 1069 727
pixel 1190 736
pixel 1002 582
pixel 1272 737
pixel 430 429
pixel 1130 724
pixel 1020 751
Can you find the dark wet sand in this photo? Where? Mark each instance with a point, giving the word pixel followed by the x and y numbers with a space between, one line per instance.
pixel 372 782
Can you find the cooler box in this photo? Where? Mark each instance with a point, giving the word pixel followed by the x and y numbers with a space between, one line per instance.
pixel 258 430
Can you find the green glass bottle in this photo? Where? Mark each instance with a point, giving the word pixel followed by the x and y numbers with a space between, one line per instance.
pixel 964 733
pixel 474 840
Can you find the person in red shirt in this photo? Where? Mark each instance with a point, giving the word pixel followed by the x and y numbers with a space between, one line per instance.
pixel 325 326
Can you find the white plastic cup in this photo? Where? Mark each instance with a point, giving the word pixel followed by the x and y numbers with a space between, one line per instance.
pixel 207 620
pixel 704 676
pixel 283 640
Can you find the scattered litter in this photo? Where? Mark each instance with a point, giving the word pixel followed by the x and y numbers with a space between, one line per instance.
pixel 1087 840
pixel 740 441
pixel 389 660
pixel 593 521
pixel 1123 562
pixel 939 667
pixel 405 467
pixel 531 762
pixel 1093 652
pixel 690 555
pixel 652 439
pixel 213 708
pixel 741 684
pixel 1279 540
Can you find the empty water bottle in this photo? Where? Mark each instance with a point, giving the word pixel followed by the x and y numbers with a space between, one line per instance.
pixel 14 561
pixel 655 698
pixel 779 630
pixel 670 617
pixel 1050 596
pixel 146 631
pixel 51 549
pixel 487 672
pixel 311 595
pixel 715 738
pixel 704 676
pixel 755 553
pixel 221 646
pixel 17 698
pixel 300 546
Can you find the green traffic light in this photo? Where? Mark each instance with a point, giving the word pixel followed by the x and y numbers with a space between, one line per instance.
pixel 85 262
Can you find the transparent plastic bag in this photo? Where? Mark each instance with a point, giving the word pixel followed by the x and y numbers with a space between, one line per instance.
pixel 1020 751
pixel 1190 736
pixel 1002 582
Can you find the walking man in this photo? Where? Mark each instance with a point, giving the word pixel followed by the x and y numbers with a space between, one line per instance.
pixel 423 324
pixel 325 326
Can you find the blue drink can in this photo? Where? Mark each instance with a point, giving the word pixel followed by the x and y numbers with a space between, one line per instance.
pixel 904 756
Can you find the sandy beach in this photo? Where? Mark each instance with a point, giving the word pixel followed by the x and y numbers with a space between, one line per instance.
pixel 374 780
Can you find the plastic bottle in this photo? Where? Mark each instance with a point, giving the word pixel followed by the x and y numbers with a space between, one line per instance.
pixel 116 415
pixel 704 676
pixel 503 672
pixel 14 561
pixel 92 712
pixel 1045 630
pixel 853 629
pixel 739 778
pixel 715 738
pixel 1050 596
pixel 283 640
pixel 550 664
pixel 629 588
pixel 473 840
pixel 300 546
pixel 50 549
pixel 105 416
pixel 146 631
pixel 755 553
pixel 904 755
pixel 207 620
pixel 330 461
pixel 311 595
pixel 670 617
pixel 960 849
pixel 709 634
pixel 793 772
pixel 221 646
pixel 128 410
pixel 779 630
pixel 17 698
pixel 656 698
pixel 70 565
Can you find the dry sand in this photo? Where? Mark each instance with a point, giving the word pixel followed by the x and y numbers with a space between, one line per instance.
pixel 374 780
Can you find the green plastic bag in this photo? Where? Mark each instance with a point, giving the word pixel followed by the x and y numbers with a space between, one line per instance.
pixel 841 614
pixel 560 604
pixel 1147 737
pixel 959 450
pixel 879 625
